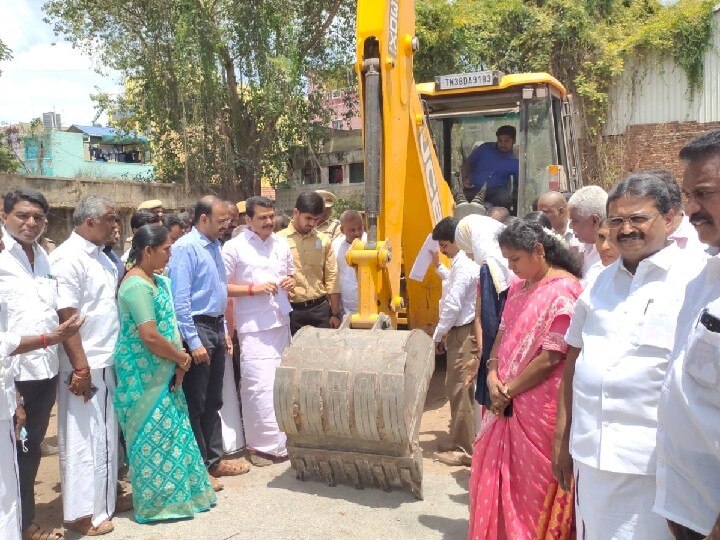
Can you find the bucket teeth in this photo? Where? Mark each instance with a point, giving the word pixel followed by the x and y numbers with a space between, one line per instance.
pixel 350 403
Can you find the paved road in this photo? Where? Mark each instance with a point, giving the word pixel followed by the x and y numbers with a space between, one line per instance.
pixel 270 503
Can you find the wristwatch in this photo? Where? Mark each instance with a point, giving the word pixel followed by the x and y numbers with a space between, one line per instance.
pixel 337 315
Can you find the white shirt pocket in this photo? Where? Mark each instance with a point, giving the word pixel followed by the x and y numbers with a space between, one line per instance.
pixel 703 355
pixel 47 292
pixel 657 327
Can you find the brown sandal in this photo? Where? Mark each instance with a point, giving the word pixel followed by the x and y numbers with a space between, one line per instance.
pixel 230 468
pixel 35 532
pixel 85 527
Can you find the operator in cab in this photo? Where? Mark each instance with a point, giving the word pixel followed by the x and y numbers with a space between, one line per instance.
pixel 491 165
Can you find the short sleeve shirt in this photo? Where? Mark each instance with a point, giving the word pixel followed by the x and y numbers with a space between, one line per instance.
pixel 87 281
pixel 314 262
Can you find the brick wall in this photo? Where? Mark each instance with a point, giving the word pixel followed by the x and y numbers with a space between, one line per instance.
pixel 656 145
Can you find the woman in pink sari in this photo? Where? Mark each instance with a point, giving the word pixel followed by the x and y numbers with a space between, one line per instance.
pixel 511 467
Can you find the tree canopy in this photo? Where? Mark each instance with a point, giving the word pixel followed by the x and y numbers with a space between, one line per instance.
pixel 221 85
pixel 583 43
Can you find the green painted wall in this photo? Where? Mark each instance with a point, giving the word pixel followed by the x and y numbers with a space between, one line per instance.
pixel 62 157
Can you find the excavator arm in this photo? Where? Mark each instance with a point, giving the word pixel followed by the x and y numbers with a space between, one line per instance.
pixel 405 194
pixel 350 400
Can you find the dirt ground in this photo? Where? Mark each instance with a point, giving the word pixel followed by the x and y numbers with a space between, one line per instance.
pixel 434 428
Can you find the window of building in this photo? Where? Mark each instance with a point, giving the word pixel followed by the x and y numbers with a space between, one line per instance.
pixel 337 124
pixel 310 175
pixel 335 174
pixel 357 173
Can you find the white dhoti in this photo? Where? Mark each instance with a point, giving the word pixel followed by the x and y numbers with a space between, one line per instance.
pixel 616 506
pixel 10 520
pixel 88 439
pixel 260 355
pixel 232 425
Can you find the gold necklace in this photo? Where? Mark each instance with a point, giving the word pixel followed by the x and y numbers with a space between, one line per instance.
pixel 528 284
pixel 148 278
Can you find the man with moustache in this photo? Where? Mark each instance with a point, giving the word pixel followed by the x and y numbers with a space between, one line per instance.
pixel 199 287
pixel 260 273
pixel 13 415
pixel 30 293
pixel 688 469
pixel 621 338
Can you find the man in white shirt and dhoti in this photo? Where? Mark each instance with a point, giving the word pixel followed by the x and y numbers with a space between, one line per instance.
pixel 87 428
pixel 688 468
pixel 260 272
pixel 621 337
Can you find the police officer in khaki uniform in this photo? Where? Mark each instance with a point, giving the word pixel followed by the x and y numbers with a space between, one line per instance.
pixel 153 205
pixel 328 225
pixel 316 297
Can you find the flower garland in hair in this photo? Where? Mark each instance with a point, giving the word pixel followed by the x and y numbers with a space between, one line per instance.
pixel 556 236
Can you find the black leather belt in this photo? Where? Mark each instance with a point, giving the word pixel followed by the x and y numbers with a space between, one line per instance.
pixel 308 303
pixel 209 319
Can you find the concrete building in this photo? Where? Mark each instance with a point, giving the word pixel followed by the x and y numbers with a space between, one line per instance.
pixel 653 112
pixel 336 167
pixel 90 152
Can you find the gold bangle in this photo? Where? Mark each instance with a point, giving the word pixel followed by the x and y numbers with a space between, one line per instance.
pixel 79 377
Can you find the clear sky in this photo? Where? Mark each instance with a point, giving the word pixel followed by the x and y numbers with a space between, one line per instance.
pixel 45 73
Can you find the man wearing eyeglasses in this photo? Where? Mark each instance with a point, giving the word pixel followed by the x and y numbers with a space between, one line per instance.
pixel 621 337
pixel 688 468
pixel 29 290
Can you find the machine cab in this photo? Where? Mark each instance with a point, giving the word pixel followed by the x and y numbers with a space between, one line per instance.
pixel 466 110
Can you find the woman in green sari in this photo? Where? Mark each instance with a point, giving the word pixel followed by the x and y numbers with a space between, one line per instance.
pixel 167 473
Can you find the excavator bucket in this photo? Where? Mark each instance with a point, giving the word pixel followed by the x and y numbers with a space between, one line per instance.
pixel 350 402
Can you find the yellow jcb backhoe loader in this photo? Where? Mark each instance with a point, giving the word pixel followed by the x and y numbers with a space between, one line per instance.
pixel 350 400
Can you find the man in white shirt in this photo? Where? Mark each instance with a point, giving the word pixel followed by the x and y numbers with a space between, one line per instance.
pixel 688 464
pixel 13 415
pixel 587 211
pixel 620 338
pixel 260 272
pixel 455 335
pixel 351 227
pixel 87 428
pixel 30 291
pixel 555 207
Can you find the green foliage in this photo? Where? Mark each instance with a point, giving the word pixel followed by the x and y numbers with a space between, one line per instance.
pixel 8 163
pixel 681 31
pixel 351 202
pixel 221 85
pixel 5 53
pixel 582 43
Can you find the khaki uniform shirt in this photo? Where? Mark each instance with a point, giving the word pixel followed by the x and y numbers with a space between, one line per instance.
pixel 315 265
pixel 331 227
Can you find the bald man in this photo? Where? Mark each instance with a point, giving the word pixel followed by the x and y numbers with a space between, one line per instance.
pixel 351 228
pixel 555 207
